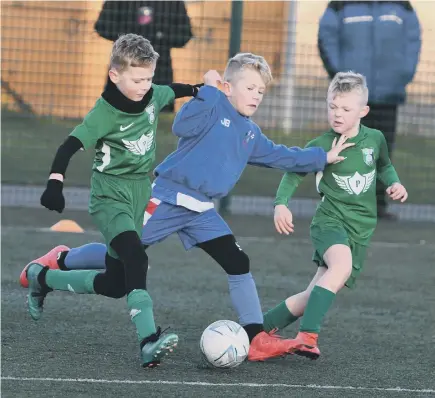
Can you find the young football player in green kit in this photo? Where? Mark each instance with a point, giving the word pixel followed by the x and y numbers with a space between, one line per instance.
pixel 346 216
pixel 122 127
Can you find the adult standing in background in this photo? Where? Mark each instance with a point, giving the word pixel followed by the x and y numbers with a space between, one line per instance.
pixel 381 40
pixel 165 24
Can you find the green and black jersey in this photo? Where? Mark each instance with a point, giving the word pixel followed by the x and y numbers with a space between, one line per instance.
pixel 124 141
pixel 348 188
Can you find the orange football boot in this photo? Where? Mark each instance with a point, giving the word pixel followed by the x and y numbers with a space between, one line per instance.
pixel 269 345
pixel 48 260
pixel 308 345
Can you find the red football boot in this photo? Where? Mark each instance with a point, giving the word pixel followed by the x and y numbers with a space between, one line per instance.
pixel 308 345
pixel 49 260
pixel 265 346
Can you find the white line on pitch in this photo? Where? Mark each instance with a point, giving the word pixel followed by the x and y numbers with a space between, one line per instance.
pixel 207 384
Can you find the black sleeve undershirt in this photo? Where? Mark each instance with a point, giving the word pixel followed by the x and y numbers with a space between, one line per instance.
pixel 185 90
pixel 64 154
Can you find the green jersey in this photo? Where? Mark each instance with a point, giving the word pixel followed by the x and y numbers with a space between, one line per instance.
pixel 348 188
pixel 124 142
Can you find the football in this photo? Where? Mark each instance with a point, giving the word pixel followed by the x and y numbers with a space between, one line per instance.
pixel 224 344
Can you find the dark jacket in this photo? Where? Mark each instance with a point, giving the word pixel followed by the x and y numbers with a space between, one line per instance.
pixel 379 39
pixel 164 23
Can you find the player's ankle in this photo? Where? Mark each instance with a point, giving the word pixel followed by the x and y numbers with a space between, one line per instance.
pixel 253 330
pixel 41 278
pixel 61 260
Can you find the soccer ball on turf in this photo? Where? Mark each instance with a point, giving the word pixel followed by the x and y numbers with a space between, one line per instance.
pixel 224 344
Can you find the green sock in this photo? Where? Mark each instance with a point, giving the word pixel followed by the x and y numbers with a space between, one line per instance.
pixel 278 318
pixel 74 281
pixel 140 306
pixel 318 305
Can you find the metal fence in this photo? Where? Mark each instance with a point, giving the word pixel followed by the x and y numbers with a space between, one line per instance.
pixel 54 66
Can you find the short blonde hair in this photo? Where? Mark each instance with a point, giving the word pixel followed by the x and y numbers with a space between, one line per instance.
pixel 132 50
pixel 243 61
pixel 346 82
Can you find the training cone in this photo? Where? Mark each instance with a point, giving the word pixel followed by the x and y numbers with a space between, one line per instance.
pixel 67 226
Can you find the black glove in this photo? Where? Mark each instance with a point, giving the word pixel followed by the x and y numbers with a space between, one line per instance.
pixel 196 88
pixel 52 198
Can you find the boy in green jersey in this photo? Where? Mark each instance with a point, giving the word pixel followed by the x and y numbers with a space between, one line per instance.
pixel 122 127
pixel 347 214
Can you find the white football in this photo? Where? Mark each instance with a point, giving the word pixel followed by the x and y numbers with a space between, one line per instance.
pixel 224 344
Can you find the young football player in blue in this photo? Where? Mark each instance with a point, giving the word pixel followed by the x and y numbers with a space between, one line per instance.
pixel 217 140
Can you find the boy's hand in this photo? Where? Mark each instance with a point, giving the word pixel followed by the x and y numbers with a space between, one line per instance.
pixel 333 155
pixel 283 219
pixel 212 78
pixel 52 198
pixel 397 191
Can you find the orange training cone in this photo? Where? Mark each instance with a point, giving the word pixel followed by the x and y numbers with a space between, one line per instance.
pixel 67 226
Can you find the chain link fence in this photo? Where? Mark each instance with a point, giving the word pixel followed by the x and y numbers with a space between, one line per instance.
pixel 54 66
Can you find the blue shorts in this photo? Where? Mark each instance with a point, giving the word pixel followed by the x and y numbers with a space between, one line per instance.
pixel 162 219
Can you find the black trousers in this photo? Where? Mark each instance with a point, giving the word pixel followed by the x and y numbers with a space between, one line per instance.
pixel 384 118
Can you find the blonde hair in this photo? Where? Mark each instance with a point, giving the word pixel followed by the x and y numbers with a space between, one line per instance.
pixel 243 61
pixel 132 50
pixel 346 82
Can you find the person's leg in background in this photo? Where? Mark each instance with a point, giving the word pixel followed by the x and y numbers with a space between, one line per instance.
pixel 383 117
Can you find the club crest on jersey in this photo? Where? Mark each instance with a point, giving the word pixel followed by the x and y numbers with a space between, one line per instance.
pixel 368 155
pixel 140 146
pixel 356 184
pixel 151 113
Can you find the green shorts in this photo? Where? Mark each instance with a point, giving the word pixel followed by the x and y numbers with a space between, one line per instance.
pixel 117 204
pixel 325 235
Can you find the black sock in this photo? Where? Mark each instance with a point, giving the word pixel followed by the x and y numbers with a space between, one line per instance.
pixel 253 329
pixel 61 260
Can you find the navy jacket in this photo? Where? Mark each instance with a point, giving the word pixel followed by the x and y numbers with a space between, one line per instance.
pixel 379 39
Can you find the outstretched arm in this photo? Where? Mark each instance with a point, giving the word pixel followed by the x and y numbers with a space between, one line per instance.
pixel 185 90
pixel 268 154
pixel 166 94
pixel 312 158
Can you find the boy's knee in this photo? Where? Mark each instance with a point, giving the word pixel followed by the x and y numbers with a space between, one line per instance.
pixel 129 247
pixel 341 267
pixel 338 258
pixel 110 285
pixel 236 262
pixel 241 264
pixel 131 251
pixel 116 291
pixel 228 254
pixel 347 270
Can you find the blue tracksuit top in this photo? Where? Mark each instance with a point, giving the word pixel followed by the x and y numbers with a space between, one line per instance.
pixel 216 143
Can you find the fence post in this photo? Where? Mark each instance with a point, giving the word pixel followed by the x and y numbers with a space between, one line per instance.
pixel 287 79
pixel 234 48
